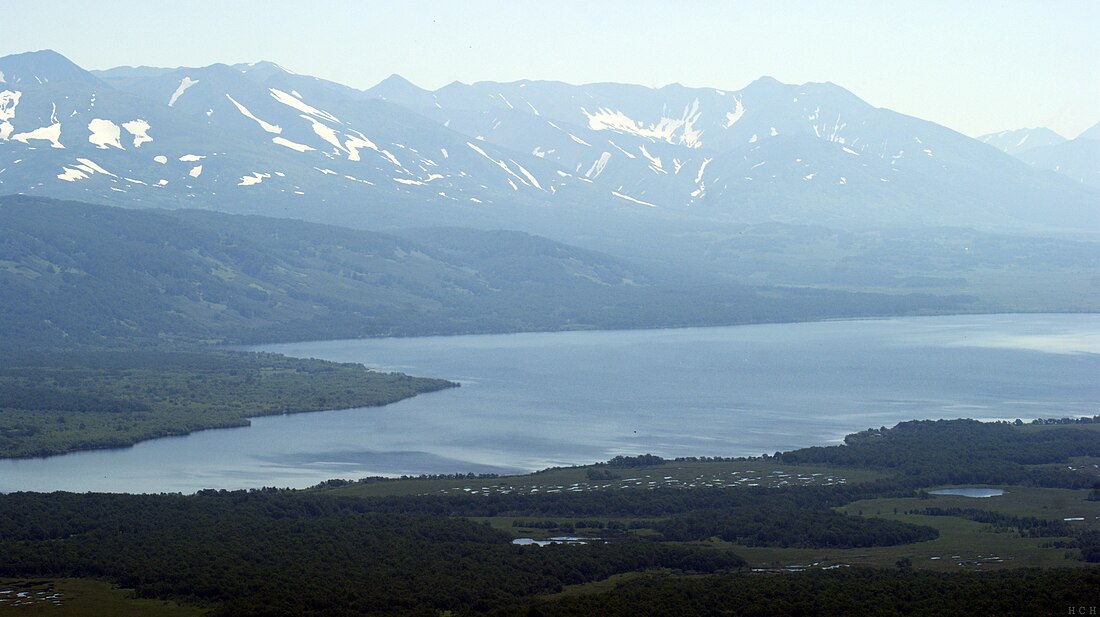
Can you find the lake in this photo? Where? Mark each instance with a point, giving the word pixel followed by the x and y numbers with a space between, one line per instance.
pixel 530 401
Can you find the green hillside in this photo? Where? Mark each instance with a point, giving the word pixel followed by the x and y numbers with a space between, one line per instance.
pixel 74 274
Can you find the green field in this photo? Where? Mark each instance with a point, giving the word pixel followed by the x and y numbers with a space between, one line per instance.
pixel 82 598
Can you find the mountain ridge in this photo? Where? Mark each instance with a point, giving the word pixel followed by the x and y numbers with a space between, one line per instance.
pixel 545 157
pixel 1077 158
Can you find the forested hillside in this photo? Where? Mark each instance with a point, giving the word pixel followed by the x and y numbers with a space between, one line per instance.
pixel 75 274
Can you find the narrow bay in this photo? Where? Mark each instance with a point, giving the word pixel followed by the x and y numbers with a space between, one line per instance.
pixel 530 401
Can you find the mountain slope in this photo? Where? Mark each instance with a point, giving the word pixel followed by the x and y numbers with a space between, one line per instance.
pixel 757 154
pixel 1077 159
pixel 544 157
pixel 74 274
pixel 90 274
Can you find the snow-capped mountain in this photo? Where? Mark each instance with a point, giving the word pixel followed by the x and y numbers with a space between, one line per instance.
pixel 259 138
pixel 811 152
pixel 1019 140
pixel 1077 159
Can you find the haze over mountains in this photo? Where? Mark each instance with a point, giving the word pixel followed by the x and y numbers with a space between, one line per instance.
pixel 676 205
pixel 1077 158
pixel 259 139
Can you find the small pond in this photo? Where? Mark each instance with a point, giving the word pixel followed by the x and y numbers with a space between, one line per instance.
pixel 969 492
pixel 554 540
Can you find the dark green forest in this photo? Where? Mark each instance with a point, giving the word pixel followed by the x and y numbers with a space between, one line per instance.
pixel 55 402
pixel 327 551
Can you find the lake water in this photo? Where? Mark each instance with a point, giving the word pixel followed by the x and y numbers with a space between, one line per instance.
pixel 530 401
pixel 969 492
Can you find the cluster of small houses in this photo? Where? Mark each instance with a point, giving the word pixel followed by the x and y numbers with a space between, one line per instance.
pixel 775 479
pixel 29 597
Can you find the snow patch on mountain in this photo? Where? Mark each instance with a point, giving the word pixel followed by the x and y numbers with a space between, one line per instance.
pixel 597 167
pixel 140 130
pixel 530 178
pixel 255 178
pixel 629 155
pixel 90 164
pixel 733 116
pixel 654 161
pixel 185 83
pixel 267 126
pixel 676 131
pixel 69 174
pixel 293 145
pixel 359 140
pixel 500 164
pixel 301 106
pixel 629 198
pixel 50 133
pixel 9 100
pixel 702 168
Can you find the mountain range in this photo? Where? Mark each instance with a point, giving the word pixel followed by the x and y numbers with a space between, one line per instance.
pixel 651 207
pixel 545 157
pixel 1078 158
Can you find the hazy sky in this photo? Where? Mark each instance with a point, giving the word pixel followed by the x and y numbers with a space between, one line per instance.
pixel 976 66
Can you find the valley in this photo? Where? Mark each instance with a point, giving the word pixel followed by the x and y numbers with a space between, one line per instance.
pixel 783 317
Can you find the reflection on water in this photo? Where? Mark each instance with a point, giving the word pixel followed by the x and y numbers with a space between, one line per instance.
pixel 531 401
pixel 969 492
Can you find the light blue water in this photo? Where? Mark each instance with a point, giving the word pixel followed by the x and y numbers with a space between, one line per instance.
pixel 529 401
pixel 969 492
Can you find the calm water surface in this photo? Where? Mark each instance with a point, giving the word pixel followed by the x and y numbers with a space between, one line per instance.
pixel 529 401
pixel 979 493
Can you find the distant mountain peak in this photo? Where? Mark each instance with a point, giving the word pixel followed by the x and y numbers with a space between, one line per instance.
pixel 395 82
pixel 766 80
pixel 43 66
pixel 1018 140
pixel 397 88
pixel 265 67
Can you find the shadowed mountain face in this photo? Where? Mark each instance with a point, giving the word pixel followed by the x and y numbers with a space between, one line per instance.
pixel 74 274
pixel 547 157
